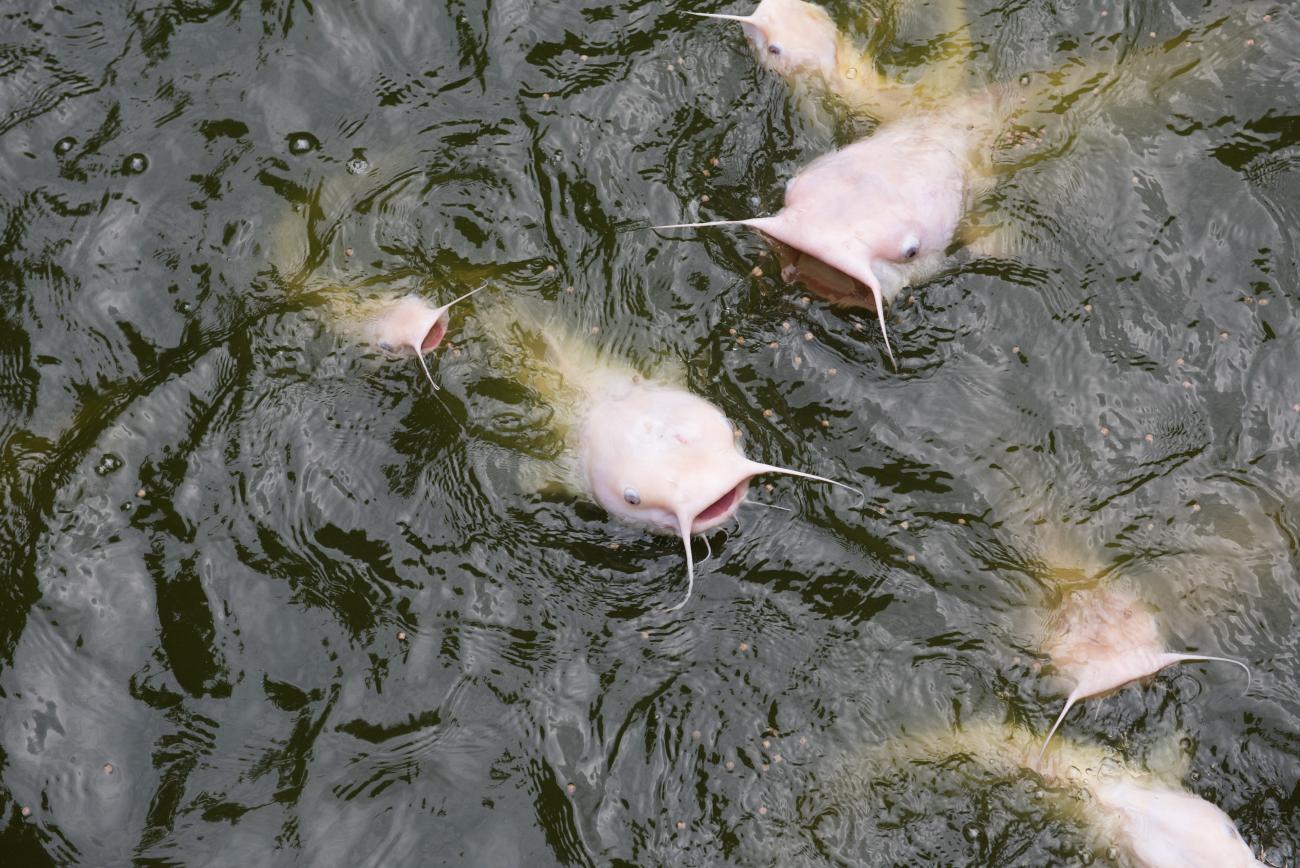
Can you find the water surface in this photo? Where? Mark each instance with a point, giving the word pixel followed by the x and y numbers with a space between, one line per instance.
pixel 271 600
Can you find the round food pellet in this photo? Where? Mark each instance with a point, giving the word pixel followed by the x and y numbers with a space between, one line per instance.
pixel 572 788
pixel 108 768
pixel 401 635
pixel 681 824
pixel 756 271
pixel 744 646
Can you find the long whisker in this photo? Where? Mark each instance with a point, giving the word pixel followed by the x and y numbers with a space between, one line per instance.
pixel 699 225
pixel 880 314
pixel 1167 659
pixel 772 468
pixel 1069 703
pixel 748 502
pixel 708 550
pixel 690 561
pixel 743 19
pixel 420 356
pixel 465 296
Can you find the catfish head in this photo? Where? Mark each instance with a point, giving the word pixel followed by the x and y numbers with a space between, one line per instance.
pixel 410 323
pixel 882 210
pixel 790 36
pixel 667 459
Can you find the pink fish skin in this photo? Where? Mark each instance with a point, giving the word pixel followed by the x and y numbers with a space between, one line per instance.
pixel 408 324
pixel 883 211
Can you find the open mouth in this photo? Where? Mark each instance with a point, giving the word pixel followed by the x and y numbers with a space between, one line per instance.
pixel 821 279
pixel 720 508
pixel 434 336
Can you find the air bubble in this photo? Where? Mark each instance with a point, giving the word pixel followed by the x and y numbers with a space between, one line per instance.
pixel 108 463
pixel 302 143
pixel 64 145
pixel 135 164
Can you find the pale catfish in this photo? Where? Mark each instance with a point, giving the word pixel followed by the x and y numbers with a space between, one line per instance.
pixel 646 449
pixel 882 211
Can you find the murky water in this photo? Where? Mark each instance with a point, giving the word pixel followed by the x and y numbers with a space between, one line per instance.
pixel 271 600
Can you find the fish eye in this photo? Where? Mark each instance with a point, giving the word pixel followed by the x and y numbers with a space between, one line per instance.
pixel 911 247
pixel 774 49
pixel 386 346
pixel 630 495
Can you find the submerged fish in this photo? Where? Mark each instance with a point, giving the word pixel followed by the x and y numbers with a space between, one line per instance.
pixel 798 41
pixel 1103 639
pixel 646 449
pixel 1146 814
pixel 881 213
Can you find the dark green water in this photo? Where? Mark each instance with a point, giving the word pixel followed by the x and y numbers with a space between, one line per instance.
pixel 269 600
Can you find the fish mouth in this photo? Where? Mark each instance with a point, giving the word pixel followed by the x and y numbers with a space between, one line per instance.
pixel 434 335
pixel 821 279
pixel 720 510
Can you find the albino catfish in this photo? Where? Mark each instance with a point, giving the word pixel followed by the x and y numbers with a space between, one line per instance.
pixel 646 449
pixel 406 323
pixel 1103 639
pixel 883 210
pixel 1147 815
